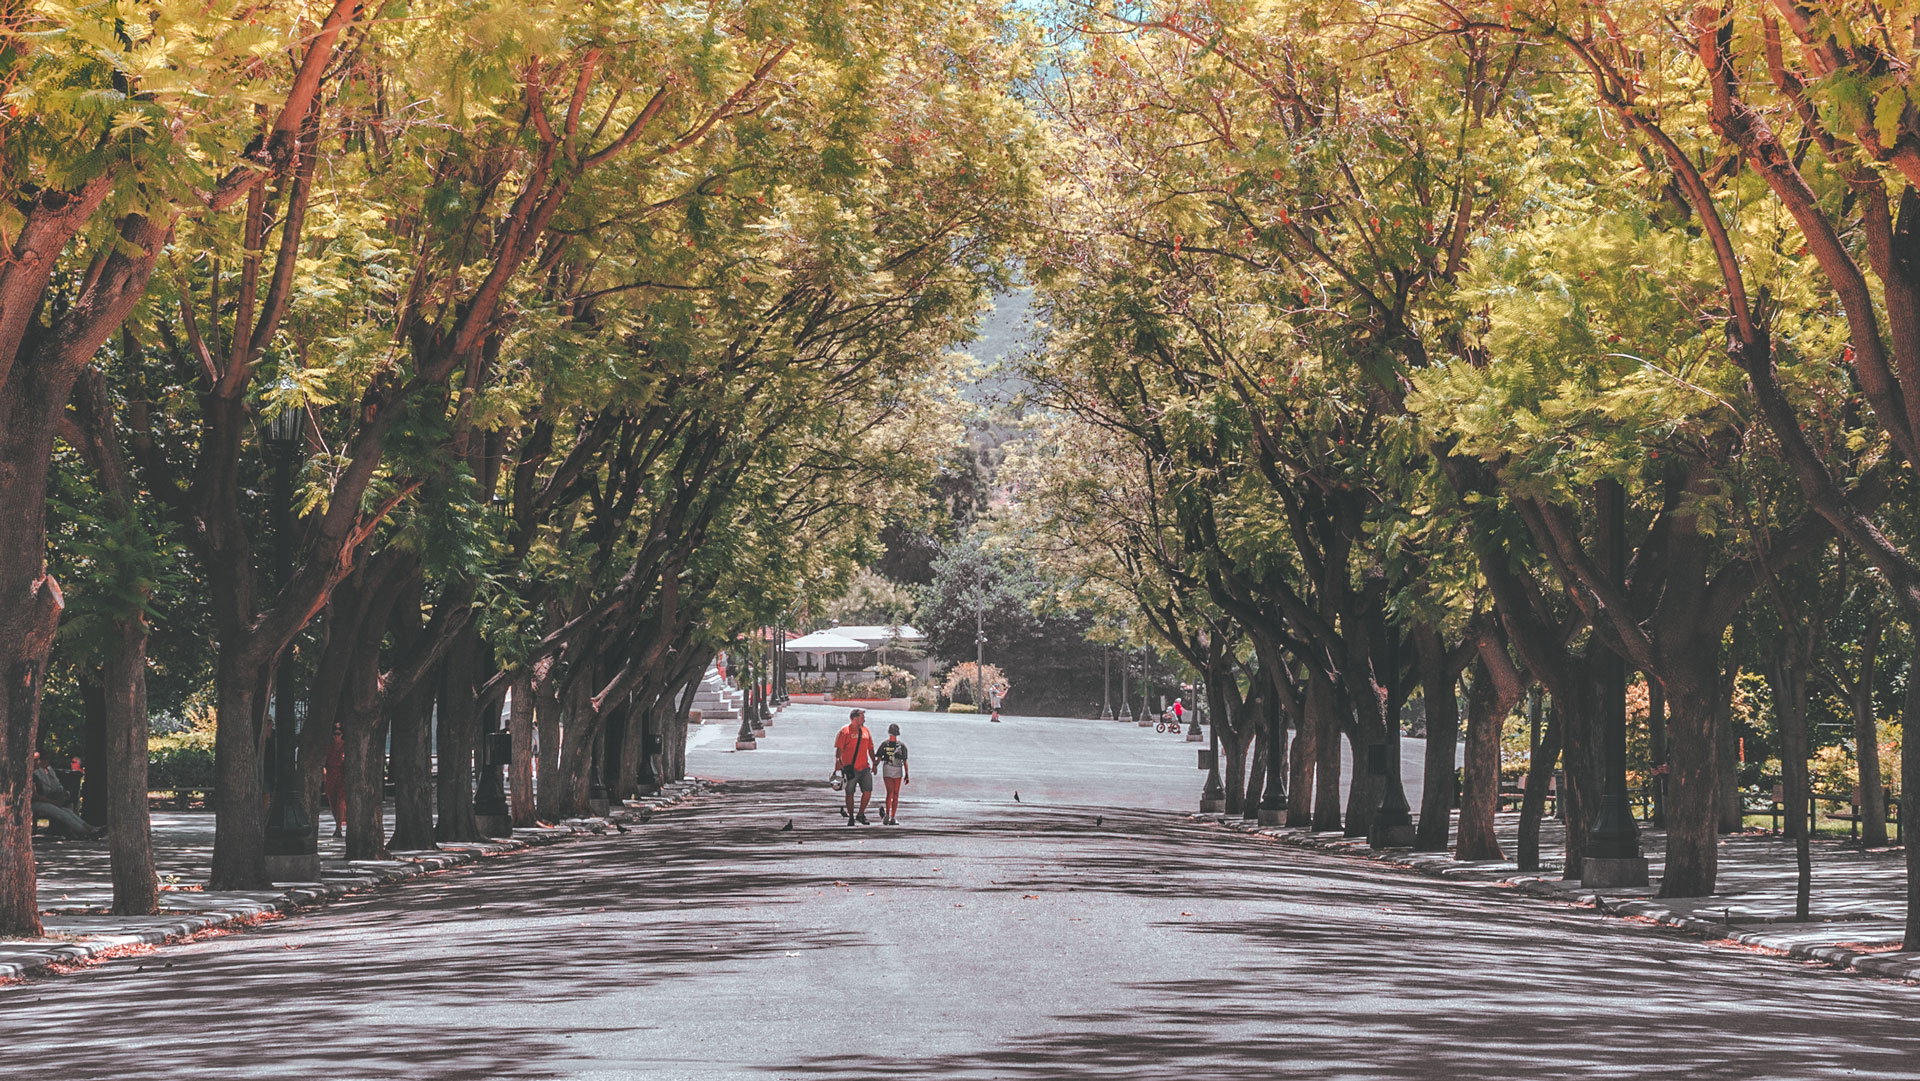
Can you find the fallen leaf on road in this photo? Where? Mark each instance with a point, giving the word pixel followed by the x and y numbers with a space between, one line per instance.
pixel 1029 897
pixel 1186 913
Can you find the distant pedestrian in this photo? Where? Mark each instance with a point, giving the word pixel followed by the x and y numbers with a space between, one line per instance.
pixel 995 694
pixel 1179 711
pixel 853 757
pixel 893 773
pixel 333 780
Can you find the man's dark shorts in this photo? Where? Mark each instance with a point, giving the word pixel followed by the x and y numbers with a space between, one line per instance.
pixel 860 777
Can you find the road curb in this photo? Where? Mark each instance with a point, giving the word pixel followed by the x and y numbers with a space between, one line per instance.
pixel 24 958
pixel 1864 958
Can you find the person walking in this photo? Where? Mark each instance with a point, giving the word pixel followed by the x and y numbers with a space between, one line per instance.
pixel 333 781
pixel 853 757
pixel 892 756
pixel 994 694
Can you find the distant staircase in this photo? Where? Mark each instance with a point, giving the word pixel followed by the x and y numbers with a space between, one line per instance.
pixel 716 699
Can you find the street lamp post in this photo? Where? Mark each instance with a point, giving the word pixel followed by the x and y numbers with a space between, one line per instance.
pixel 1273 799
pixel 292 850
pixel 1213 797
pixel 979 647
pixel 1106 683
pixel 1123 711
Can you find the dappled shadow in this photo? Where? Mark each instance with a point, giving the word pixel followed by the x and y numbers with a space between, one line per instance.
pixel 1281 961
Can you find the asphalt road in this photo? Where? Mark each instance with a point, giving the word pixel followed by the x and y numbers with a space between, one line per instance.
pixel 1048 939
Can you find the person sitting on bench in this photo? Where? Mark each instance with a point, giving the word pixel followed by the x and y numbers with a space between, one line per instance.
pixel 52 802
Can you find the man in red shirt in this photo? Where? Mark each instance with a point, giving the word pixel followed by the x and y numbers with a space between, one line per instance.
pixel 853 757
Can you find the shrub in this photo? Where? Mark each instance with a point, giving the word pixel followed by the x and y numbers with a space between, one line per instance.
pixel 962 707
pixel 923 699
pixel 960 681
pixel 182 759
pixel 807 685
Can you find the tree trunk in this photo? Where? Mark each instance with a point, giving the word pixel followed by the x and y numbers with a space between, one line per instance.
pixel 1234 778
pixel 1727 797
pixel 30 604
pixel 578 744
pixel 549 792
pixel 1480 775
pixel 240 808
pixel 1443 725
pixel 136 889
pixel 1866 743
pixel 1910 793
pixel 1657 748
pixel 459 724
pixel 1305 755
pixel 1256 773
pixel 1322 707
pixel 1366 787
pixel 411 723
pixel 363 728
pixel 625 737
pixel 1693 842
pixel 1533 800
pixel 520 769
pixel 1580 763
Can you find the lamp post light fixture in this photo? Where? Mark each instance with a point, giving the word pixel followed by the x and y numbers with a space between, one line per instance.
pixel 292 848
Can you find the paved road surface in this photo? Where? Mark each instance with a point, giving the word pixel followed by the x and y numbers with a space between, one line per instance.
pixel 981 939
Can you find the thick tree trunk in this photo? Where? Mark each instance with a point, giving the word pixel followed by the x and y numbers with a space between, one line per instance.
pixel 1305 755
pixel 411 722
pixel 1366 787
pixel 363 726
pixel 1480 776
pixel 520 769
pixel 1693 842
pixel 626 735
pixel 1533 800
pixel 1580 765
pixel 1322 707
pixel 1443 724
pixel 550 790
pixel 1256 777
pixel 240 808
pixel 458 727
pixel 1234 779
pixel 579 738
pixel 30 604
pixel 136 889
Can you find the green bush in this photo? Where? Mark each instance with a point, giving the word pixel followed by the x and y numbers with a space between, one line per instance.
pixel 177 767
pixel 923 699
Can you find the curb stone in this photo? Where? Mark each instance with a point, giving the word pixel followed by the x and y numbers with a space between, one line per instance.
pixel 76 939
pixel 1783 937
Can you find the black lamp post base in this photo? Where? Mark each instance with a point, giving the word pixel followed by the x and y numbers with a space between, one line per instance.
pixel 301 867
pixel 744 744
pixel 1273 816
pixel 1387 834
pixel 1213 806
pixel 1625 872
pixel 1195 735
pixel 599 805
pixel 494 825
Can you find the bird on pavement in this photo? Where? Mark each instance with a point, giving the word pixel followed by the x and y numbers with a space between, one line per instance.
pixel 1016 797
pixel 1099 819
pixel 620 827
pixel 787 827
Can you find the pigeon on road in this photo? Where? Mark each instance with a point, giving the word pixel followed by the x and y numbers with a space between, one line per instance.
pixel 1016 797
pixel 787 827
pixel 1098 819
